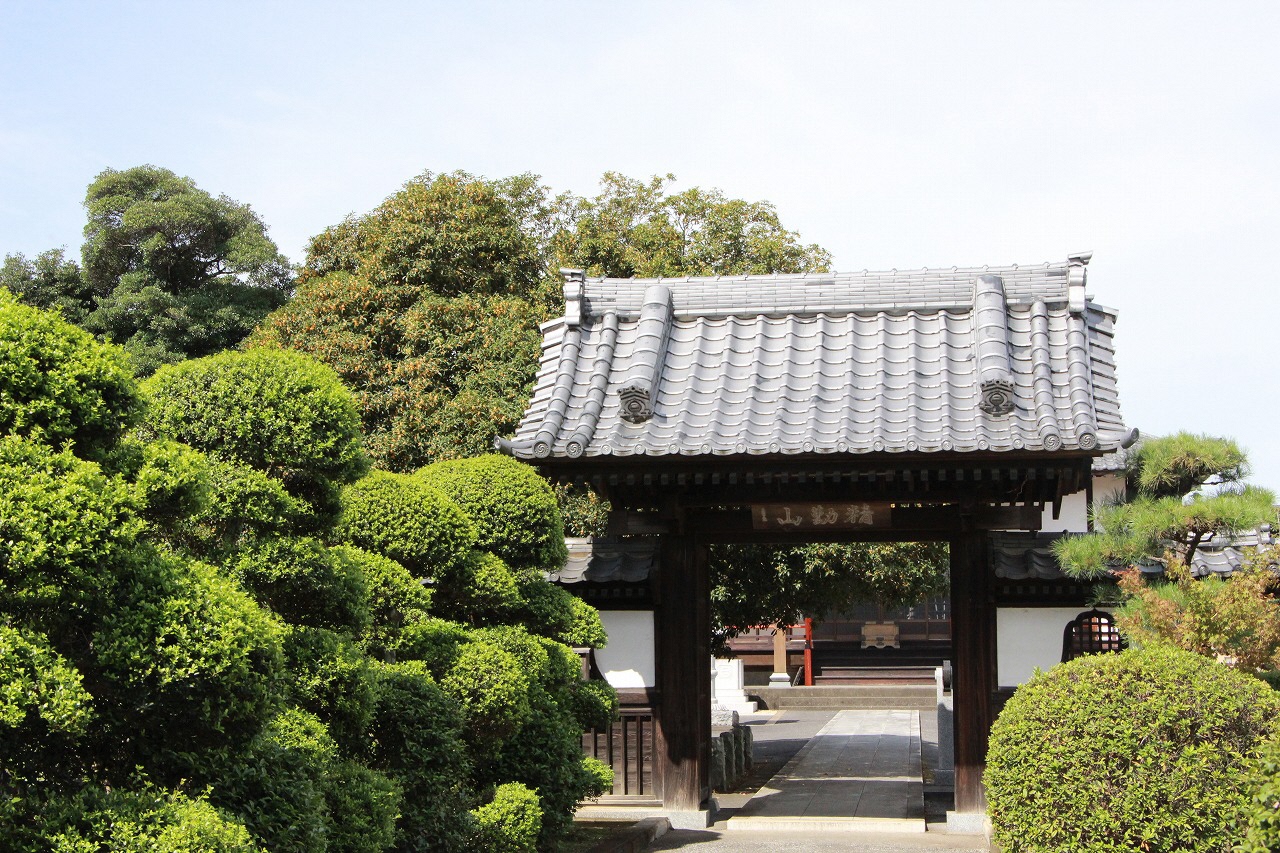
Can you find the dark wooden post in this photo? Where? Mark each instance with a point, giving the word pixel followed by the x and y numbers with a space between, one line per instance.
pixel 683 641
pixel 973 643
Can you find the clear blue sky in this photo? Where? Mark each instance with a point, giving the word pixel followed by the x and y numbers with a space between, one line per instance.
pixel 897 135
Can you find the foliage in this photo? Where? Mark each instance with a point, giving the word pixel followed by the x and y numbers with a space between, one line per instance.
pixel 595 704
pixel 759 585
pixel 492 689
pixel 1234 620
pixel 280 413
pixel 1164 515
pixel 50 282
pixel 67 531
pixel 44 712
pixel 1135 751
pixel 151 820
pixel 510 822
pixel 188 662
pixel 633 228
pixel 416 739
pixel 429 305
pixel 1260 826
pixel 58 384
pixel 407 521
pixel 175 272
pixel 514 509
pixel 395 597
pixel 305 583
pixel 330 677
pixel 585 513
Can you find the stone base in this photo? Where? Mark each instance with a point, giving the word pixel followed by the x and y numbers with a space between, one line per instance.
pixel 779 679
pixel 700 819
pixel 969 823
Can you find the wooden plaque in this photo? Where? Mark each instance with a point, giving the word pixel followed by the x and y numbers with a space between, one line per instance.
pixel 831 515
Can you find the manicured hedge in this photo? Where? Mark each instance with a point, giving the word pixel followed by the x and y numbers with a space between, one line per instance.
pixel 514 509
pixel 1142 750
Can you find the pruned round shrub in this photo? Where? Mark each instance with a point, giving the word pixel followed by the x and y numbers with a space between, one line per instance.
pixel 329 676
pixel 58 384
pixel 416 739
pixel 492 593
pixel 1122 752
pixel 275 410
pixel 68 531
pixel 434 642
pixel 305 583
pixel 190 664
pixel 510 822
pixel 413 524
pixel 44 711
pixel 595 704
pixel 493 689
pixel 514 509
pixel 151 820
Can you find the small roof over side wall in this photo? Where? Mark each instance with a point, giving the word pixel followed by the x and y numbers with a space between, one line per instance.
pixel 949 361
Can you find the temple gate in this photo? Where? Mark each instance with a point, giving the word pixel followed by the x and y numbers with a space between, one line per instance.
pixel 940 404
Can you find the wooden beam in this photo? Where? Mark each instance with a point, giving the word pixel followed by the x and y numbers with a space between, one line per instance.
pixel 683 647
pixel 914 523
pixel 973 644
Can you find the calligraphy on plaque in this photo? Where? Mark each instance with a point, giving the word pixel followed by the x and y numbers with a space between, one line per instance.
pixel 835 515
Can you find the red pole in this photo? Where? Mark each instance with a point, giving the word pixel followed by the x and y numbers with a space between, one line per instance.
pixel 808 652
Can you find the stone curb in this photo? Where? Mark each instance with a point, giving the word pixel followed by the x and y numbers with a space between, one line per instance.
pixel 634 838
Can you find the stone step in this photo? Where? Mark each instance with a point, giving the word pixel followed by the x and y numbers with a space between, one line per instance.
pixel 858 696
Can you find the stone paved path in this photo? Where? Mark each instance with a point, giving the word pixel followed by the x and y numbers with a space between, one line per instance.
pixel 859 773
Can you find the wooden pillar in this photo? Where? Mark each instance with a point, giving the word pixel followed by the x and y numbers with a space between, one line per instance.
pixel 683 646
pixel 974 669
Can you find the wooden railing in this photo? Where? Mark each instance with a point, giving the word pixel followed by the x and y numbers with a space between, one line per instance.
pixel 627 746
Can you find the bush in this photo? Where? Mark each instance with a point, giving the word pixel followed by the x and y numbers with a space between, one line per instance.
pixel 242 502
pixel 1260 827
pixel 58 384
pixel 396 597
pixel 148 821
pixel 305 583
pixel 330 677
pixel 595 704
pixel 189 665
pixel 68 531
pixel 493 689
pixel 276 411
pixel 491 595
pixel 416 739
pixel 1141 750
pixel 400 518
pixel 44 711
pixel 514 509
pixel 434 642
pixel 510 823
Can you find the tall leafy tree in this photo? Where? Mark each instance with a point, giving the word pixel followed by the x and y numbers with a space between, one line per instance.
pixel 175 272
pixel 428 306
pixel 635 228
pixel 169 271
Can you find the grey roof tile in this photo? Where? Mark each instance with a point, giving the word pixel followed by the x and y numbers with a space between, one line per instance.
pixel 839 363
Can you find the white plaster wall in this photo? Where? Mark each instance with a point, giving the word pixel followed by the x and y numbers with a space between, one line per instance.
pixel 1029 637
pixel 1074 514
pixel 627 661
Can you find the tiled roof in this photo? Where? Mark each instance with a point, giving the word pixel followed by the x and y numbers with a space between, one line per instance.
pixel 978 359
pixel 1023 556
pixel 626 560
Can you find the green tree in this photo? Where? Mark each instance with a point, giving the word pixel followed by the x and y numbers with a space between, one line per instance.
pixel 50 281
pixel 1162 514
pixel 761 585
pixel 634 228
pixel 429 305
